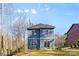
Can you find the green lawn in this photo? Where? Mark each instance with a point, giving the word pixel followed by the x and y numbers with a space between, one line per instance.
pixel 62 52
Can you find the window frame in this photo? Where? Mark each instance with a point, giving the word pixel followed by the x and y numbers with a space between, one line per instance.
pixel 46 44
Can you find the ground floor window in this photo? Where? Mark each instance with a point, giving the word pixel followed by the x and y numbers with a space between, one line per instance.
pixel 78 43
pixel 34 43
pixel 46 44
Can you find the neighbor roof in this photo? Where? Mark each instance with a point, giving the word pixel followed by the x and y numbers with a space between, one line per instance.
pixel 74 26
pixel 41 26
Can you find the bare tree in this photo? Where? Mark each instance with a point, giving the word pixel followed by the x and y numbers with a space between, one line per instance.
pixel 59 40
pixel 20 28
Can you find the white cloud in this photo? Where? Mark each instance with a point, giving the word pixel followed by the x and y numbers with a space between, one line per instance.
pixel 47 9
pixel 33 11
pixel 19 11
pixel 26 10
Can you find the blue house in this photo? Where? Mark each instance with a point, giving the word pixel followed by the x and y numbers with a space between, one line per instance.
pixel 41 36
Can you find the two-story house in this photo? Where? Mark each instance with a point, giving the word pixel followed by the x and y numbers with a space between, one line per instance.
pixel 41 36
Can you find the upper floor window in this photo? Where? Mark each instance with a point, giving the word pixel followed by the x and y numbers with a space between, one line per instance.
pixel 33 32
pixel 44 31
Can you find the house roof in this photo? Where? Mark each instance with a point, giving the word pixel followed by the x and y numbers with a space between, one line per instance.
pixel 41 26
pixel 74 26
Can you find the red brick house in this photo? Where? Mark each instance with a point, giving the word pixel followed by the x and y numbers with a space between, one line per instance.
pixel 72 38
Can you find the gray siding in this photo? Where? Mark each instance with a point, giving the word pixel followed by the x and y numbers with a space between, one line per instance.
pixel 41 35
pixel 45 35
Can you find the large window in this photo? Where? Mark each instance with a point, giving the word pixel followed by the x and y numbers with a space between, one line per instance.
pixel 33 32
pixel 44 32
pixel 34 43
pixel 47 44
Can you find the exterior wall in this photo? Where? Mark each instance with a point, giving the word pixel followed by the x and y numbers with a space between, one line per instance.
pixel 72 37
pixel 46 35
pixel 41 36
pixel 33 35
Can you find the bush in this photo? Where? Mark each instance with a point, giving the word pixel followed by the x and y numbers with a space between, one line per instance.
pixel 58 49
pixel 14 51
pixel 11 52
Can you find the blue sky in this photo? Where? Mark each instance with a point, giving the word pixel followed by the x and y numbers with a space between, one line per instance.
pixel 61 15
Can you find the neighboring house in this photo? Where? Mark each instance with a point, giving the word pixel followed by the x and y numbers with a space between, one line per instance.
pixel 72 38
pixel 41 36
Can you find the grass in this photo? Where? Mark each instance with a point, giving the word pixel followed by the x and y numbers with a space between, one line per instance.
pixel 61 52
